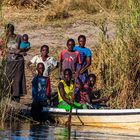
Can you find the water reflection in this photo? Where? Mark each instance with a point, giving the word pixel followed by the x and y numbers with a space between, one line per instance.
pixel 27 131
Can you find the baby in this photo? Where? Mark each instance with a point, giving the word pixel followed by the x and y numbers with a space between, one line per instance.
pixel 25 44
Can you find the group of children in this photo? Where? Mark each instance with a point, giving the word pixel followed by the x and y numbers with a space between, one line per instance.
pixel 76 87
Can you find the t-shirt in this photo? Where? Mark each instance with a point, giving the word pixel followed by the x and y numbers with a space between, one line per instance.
pixel 84 53
pixel 24 45
pixel 41 88
pixel 69 60
pixel 68 91
pixel 49 63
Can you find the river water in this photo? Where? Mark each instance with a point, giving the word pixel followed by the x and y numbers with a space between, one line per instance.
pixel 27 131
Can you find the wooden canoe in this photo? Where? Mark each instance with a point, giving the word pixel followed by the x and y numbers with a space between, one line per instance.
pixel 115 118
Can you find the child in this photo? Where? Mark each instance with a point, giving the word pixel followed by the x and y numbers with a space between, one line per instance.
pixel 69 59
pixel 65 91
pixel 25 44
pixel 48 61
pixel 40 92
pixel 40 85
pixel 85 56
pixel 89 95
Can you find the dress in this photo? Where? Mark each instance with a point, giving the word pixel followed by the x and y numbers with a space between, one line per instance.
pixel 15 68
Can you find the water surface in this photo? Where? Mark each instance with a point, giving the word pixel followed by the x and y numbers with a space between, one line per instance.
pixel 28 131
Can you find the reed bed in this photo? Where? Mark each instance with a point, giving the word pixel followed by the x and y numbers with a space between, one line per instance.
pixel 117 61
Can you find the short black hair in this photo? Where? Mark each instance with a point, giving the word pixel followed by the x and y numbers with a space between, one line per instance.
pixel 93 76
pixel 71 40
pixel 10 27
pixel 44 46
pixel 40 64
pixel 68 70
pixel 25 35
pixel 81 36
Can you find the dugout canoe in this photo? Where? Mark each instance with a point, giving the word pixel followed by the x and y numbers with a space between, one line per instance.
pixel 115 118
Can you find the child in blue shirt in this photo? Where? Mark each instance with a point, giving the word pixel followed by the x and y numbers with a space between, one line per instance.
pixel 85 56
pixel 40 92
pixel 25 44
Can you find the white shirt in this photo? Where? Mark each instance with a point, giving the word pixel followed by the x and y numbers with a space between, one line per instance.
pixel 49 63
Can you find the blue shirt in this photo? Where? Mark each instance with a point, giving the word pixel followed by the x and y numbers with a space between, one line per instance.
pixel 24 45
pixel 84 53
pixel 39 88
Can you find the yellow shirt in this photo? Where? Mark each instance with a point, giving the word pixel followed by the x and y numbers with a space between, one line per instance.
pixel 68 90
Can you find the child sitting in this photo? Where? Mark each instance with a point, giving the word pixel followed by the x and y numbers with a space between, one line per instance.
pixel 89 95
pixel 40 92
pixel 25 44
pixel 66 92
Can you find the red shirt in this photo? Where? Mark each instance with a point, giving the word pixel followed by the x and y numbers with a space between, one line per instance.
pixel 69 60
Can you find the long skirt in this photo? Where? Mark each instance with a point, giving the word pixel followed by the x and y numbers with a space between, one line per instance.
pixel 16 75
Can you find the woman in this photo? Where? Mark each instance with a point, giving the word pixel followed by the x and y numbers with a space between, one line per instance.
pixel 15 63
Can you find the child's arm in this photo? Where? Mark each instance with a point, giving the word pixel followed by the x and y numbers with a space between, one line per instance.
pixel 88 60
pixel 104 99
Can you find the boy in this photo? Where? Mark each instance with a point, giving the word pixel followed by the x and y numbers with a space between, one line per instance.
pixel 40 85
pixel 69 58
pixel 48 61
pixel 65 91
pixel 40 92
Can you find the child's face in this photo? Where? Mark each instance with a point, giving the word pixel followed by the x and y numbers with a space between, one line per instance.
pixel 44 51
pixel 92 81
pixel 70 45
pixel 82 42
pixel 25 38
pixel 67 76
pixel 40 69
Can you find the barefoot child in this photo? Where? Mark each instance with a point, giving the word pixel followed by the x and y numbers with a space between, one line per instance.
pixel 40 91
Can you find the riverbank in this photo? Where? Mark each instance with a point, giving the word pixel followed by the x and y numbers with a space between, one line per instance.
pixel 112 35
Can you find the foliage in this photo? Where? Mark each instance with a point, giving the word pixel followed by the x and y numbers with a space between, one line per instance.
pixel 117 60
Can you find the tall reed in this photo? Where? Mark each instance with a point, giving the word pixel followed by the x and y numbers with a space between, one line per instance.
pixel 118 64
